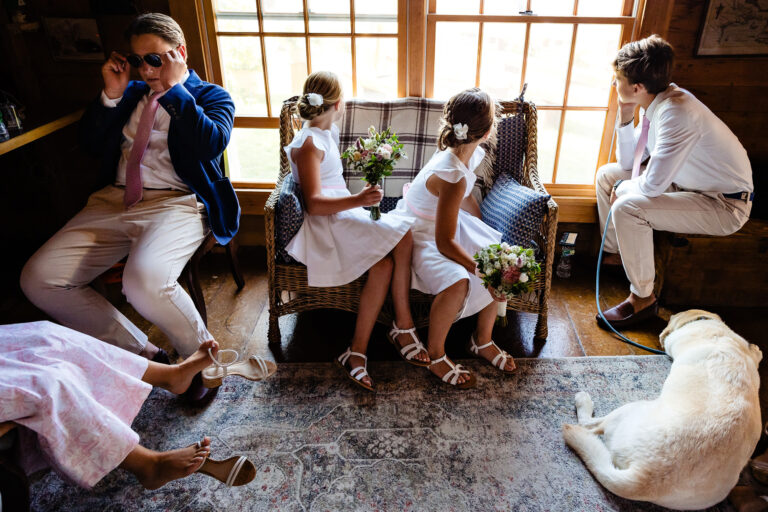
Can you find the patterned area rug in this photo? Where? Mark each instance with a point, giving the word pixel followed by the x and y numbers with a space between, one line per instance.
pixel 320 444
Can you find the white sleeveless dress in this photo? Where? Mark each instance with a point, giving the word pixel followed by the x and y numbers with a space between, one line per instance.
pixel 339 248
pixel 432 272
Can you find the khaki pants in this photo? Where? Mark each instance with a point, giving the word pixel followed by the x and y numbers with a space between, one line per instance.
pixel 159 235
pixel 635 217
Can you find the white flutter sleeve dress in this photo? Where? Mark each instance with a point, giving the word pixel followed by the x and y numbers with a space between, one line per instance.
pixel 433 272
pixel 339 248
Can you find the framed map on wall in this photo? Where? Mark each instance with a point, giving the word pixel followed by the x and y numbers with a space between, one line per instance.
pixel 734 27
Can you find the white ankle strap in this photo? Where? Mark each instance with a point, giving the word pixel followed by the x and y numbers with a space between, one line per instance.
pixel 345 356
pixel 235 471
pixel 412 349
pixel 219 364
pixel 475 348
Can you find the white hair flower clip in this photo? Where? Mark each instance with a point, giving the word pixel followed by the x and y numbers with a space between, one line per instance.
pixel 315 99
pixel 460 130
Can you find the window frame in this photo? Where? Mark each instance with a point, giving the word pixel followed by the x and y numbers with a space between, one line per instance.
pixel 629 27
pixel 272 119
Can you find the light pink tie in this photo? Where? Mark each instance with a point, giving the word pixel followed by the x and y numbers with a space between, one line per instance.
pixel 640 148
pixel 133 184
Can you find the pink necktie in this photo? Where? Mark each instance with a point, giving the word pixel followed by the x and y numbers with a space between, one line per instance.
pixel 133 185
pixel 640 148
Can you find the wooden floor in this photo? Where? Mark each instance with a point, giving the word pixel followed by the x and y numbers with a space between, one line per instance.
pixel 239 320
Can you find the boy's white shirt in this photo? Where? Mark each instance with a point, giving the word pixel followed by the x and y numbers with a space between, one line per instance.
pixel 688 146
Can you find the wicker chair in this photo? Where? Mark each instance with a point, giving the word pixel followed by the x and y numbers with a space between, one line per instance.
pixel 288 289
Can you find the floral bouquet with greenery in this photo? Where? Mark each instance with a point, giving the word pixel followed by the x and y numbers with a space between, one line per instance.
pixel 374 157
pixel 507 271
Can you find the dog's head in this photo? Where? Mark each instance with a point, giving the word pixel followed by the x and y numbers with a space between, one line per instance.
pixel 686 317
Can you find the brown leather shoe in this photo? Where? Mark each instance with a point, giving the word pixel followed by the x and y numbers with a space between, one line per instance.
pixel 197 394
pixel 746 499
pixel 624 315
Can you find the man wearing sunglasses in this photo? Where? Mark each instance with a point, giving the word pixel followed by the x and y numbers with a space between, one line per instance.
pixel 160 142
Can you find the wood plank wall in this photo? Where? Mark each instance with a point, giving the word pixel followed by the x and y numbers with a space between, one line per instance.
pixel 734 88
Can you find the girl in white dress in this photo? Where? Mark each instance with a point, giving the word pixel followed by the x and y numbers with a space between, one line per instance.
pixel 338 241
pixel 447 231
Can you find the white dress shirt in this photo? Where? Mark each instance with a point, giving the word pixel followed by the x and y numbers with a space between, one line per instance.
pixel 156 166
pixel 689 146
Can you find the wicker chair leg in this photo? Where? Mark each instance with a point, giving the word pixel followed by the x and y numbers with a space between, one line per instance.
pixel 542 330
pixel 273 334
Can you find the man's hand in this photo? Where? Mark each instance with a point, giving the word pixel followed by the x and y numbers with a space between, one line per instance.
pixel 626 110
pixel 173 69
pixel 115 72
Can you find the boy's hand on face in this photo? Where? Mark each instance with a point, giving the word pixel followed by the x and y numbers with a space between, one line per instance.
pixel 115 72
pixel 173 69
pixel 626 110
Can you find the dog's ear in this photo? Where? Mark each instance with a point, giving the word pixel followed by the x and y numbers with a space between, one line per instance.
pixel 756 353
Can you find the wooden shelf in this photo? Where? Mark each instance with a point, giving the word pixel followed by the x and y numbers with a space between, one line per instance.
pixel 39 132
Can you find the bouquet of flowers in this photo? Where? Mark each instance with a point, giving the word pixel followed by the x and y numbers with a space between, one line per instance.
pixel 507 271
pixel 375 157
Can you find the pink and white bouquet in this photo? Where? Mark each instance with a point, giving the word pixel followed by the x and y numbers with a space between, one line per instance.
pixel 375 157
pixel 507 271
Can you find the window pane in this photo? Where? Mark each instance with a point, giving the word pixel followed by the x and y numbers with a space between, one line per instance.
pixel 548 126
pixel 455 58
pixel 600 7
pixel 286 68
pixel 283 15
pixel 580 147
pixel 236 16
pixel 591 75
pixel 376 67
pixel 458 7
pixel 548 52
pixel 333 54
pixel 552 7
pixel 329 16
pixel 243 74
pixel 508 7
pixel 376 16
pixel 502 62
pixel 253 154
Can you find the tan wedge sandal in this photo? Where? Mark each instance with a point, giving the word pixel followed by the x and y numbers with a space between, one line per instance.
pixel 233 472
pixel 254 368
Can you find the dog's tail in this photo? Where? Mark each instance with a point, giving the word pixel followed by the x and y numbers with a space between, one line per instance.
pixel 594 453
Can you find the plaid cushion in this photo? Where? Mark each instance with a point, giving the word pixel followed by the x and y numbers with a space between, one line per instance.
pixel 415 120
pixel 511 140
pixel 289 216
pixel 514 210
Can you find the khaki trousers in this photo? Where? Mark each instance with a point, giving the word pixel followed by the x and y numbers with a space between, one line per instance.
pixel 159 235
pixel 635 216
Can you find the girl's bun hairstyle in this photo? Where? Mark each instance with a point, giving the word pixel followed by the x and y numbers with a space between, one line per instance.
pixel 324 83
pixel 474 108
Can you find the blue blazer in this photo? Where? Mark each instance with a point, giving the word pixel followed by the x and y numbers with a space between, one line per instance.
pixel 202 116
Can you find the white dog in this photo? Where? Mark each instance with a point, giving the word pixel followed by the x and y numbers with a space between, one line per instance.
pixel 685 449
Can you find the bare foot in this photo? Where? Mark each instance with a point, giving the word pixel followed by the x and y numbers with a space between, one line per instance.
pixel 192 365
pixel 155 469
pixel 357 362
pixel 405 339
pixel 489 353
pixel 612 259
pixel 441 368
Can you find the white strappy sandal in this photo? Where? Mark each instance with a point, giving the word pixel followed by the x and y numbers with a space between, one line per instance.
pixel 452 376
pixel 233 472
pixel 356 374
pixel 410 351
pixel 254 368
pixel 500 361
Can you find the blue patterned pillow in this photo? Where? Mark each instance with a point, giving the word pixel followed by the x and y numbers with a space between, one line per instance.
pixel 289 216
pixel 514 210
pixel 510 146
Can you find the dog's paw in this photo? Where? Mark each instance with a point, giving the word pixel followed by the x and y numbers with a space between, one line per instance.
pixel 584 403
pixel 570 432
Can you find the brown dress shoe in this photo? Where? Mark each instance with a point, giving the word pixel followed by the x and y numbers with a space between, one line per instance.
pixel 624 315
pixel 745 499
pixel 197 394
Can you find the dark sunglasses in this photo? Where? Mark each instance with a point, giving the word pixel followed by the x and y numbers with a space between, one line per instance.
pixel 153 59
